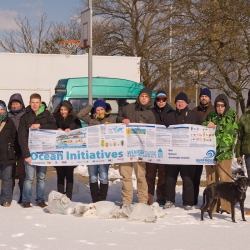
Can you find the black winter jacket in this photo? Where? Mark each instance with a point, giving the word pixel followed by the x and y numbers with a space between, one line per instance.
pixel 46 121
pixel 160 113
pixel 7 139
pixel 72 122
pixel 183 116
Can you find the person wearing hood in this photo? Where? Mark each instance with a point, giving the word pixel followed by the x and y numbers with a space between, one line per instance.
pixel 7 154
pixel 205 107
pixel 66 120
pixel 36 116
pixel 182 115
pixel 161 109
pixel 16 109
pixel 223 119
pixel 97 115
pixel 138 112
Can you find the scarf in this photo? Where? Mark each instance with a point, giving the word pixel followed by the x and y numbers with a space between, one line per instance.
pixel 4 115
pixel 15 111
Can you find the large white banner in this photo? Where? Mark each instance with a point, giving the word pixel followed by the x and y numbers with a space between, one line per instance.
pixel 115 143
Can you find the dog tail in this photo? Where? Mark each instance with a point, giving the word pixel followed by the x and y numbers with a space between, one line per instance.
pixel 204 198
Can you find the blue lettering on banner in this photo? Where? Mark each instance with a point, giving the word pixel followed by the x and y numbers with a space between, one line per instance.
pixel 47 156
pixel 141 153
pixel 80 155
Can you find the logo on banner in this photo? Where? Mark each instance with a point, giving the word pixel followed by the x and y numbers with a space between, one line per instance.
pixel 160 153
pixel 208 159
pixel 210 154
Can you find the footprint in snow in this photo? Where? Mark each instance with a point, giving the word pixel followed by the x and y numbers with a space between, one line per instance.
pixel 17 235
pixel 111 244
pixel 51 238
pixel 40 225
pixel 3 245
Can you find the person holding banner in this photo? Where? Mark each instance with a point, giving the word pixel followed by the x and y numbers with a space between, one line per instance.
pixel 161 109
pixel 36 117
pixel 205 108
pixel 224 120
pixel 100 114
pixel 66 120
pixel 7 154
pixel 182 115
pixel 138 112
pixel 16 109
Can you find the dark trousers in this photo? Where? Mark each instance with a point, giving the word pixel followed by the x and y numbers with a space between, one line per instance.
pixel 68 173
pixel 197 178
pixel 187 173
pixel 18 168
pixel 151 172
pixel 6 192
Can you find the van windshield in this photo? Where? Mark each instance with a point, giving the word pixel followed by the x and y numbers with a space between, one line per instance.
pixel 116 104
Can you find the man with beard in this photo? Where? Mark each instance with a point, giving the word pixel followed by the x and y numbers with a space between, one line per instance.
pixel 203 110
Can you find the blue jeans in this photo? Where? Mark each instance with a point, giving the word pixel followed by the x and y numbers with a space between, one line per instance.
pixel 247 161
pixel 6 174
pixel 29 178
pixel 101 170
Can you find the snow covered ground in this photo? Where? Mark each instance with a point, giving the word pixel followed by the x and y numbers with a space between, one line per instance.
pixel 35 228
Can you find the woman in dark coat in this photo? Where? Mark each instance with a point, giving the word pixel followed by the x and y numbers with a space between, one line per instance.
pixel 66 120
pixel 7 154
pixel 16 110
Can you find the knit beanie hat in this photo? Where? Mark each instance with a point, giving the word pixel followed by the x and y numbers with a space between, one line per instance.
pixel 100 103
pixel 147 91
pixel 161 94
pixel 181 96
pixel 206 92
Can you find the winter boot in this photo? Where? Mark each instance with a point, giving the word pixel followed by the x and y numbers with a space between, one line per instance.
pixel 94 190
pixel 103 191
pixel 69 189
pixel 20 201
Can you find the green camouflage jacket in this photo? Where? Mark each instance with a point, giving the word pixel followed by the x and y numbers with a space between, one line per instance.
pixel 243 142
pixel 226 130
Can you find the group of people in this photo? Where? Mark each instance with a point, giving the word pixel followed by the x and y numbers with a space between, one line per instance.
pixel 16 122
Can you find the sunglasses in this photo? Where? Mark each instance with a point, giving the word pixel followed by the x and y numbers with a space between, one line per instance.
pixel 220 105
pixel 161 99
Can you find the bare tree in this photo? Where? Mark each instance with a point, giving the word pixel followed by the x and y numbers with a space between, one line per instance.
pixel 44 38
pixel 216 41
pixel 26 38
pixel 135 28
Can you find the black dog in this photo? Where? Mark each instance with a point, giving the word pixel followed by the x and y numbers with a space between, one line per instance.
pixel 232 192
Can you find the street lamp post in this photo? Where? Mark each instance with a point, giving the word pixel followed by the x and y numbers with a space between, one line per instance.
pixel 90 61
pixel 170 57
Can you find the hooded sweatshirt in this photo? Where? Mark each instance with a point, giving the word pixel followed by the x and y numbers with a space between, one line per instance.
pixel 15 114
pixel 226 129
